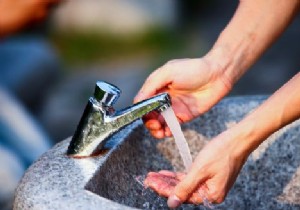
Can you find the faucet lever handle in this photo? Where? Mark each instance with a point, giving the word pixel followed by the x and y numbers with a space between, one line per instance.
pixel 106 93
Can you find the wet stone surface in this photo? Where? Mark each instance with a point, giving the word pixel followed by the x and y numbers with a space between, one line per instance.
pixel 269 180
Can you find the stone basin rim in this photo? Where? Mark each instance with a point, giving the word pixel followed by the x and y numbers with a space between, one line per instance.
pixel 64 180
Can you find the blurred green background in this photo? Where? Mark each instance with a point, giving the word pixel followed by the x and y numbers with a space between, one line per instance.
pixel 122 42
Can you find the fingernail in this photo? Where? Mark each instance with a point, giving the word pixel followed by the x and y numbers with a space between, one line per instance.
pixel 173 202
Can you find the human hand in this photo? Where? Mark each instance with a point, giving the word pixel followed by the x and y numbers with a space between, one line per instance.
pixel 16 14
pixel 195 85
pixel 164 183
pixel 211 176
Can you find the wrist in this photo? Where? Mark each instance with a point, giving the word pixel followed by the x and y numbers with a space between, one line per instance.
pixel 232 57
pixel 242 139
pixel 218 62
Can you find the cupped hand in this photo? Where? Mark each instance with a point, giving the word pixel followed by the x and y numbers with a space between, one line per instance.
pixel 195 85
pixel 211 176
pixel 164 183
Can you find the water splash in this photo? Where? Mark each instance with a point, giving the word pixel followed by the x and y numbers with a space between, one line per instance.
pixel 140 179
pixel 204 198
pixel 152 200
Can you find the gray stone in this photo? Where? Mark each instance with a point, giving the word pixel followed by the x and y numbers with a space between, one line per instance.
pixel 269 179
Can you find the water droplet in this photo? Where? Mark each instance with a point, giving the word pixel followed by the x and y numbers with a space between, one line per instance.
pixel 146 205
pixel 201 192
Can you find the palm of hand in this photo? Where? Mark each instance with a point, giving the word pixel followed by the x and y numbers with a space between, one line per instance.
pixel 164 183
pixel 193 85
pixel 211 176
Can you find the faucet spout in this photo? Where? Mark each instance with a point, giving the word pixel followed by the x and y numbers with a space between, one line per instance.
pixel 128 115
pixel 100 121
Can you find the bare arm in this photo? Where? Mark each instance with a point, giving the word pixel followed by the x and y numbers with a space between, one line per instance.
pixel 218 164
pixel 282 108
pixel 255 25
pixel 197 84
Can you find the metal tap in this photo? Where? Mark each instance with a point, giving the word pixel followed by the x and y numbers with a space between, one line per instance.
pixel 100 120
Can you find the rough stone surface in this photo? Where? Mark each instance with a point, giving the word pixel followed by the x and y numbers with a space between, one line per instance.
pixel 269 179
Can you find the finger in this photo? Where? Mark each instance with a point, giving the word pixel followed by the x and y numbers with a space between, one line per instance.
pixel 148 178
pixel 164 126
pixel 153 124
pixel 196 198
pixel 186 187
pixel 152 121
pixel 167 173
pixel 168 132
pixel 159 134
pixel 156 81
pixel 161 119
pixel 157 179
pixel 178 175
pixel 162 184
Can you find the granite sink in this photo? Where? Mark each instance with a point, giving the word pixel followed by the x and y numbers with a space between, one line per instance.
pixel 270 178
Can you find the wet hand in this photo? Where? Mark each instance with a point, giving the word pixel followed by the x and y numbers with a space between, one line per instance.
pixel 164 183
pixel 212 174
pixel 195 85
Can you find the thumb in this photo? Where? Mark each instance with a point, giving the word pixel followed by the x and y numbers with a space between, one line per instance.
pixel 186 188
pixel 155 82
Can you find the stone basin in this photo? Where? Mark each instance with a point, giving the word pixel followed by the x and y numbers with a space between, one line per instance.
pixel 270 178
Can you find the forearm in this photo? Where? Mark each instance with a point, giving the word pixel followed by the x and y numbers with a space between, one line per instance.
pixel 254 27
pixel 282 108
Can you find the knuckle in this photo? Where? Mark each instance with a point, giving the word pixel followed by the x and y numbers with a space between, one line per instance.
pixel 220 200
pixel 217 196
pixel 183 192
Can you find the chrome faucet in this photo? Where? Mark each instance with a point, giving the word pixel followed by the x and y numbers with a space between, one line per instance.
pixel 100 121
